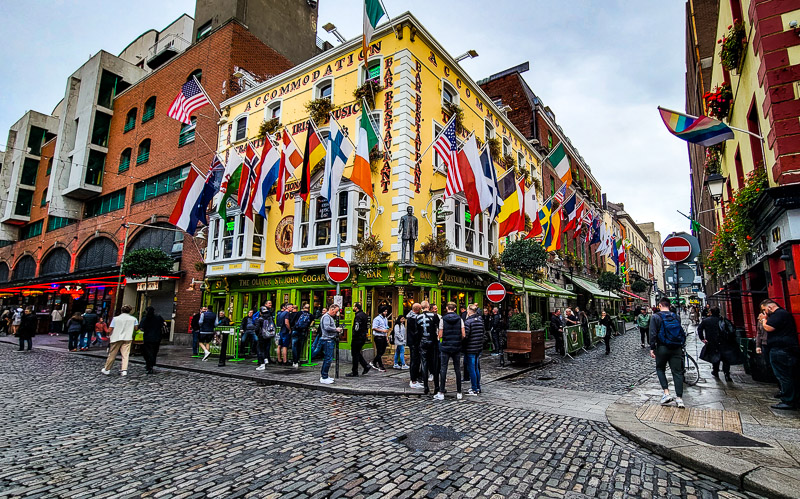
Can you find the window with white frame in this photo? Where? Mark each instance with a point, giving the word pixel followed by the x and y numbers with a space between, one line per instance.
pixel 492 238
pixel 324 90
pixel 240 223
pixel 521 160
pixel 438 163
pixel 305 221
pixel 228 230
pixel 449 93
pixel 457 224
pixel 469 232
pixel 258 235
pixel 241 129
pixel 488 130
pixel 319 226
pixel 342 215
pixel 506 146
pixel 274 111
pixel 322 222
pixel 371 72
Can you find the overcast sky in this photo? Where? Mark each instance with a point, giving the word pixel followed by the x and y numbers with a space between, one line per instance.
pixel 601 66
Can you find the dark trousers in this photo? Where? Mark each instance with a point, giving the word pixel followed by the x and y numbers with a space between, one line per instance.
pixel 73 341
pixel 56 327
pixel 444 360
pixel 559 337
pixel 607 339
pixel 726 367
pixel 150 352
pixel 195 341
pixel 672 355
pixel 786 366
pixel 496 341
pixel 415 362
pixel 380 348
pixel 587 338
pixel 223 350
pixel 22 340
pixel 355 353
pixel 430 361
pixel 643 332
pixel 263 349
pixel 298 342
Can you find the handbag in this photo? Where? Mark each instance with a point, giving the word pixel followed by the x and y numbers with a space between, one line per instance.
pixel 600 331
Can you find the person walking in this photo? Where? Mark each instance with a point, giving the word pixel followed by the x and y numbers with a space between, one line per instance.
pixel 643 321
pixel 300 328
pixel 56 322
pixel 152 325
pixel 26 329
pixel 428 328
pixel 122 328
pixel 100 332
pixel 451 334
pixel 360 328
pixel 206 336
pixel 557 331
pixel 89 322
pixel 667 338
pixel 400 344
pixel 608 322
pixel 329 334
pixel 474 332
pixel 194 325
pixel 412 339
pixel 497 327
pixel 583 319
pixel 74 328
pixel 285 319
pixel 784 353
pixel 380 328
pixel 719 338
pixel 266 335
pixel 248 328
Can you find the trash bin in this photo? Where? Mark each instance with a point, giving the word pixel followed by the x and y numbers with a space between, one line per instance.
pixel 537 346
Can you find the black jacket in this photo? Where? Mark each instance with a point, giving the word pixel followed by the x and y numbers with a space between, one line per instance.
pixel 27 326
pixel 721 344
pixel 555 324
pixel 608 322
pixel 428 330
pixel 195 324
pixel 473 327
pixel 412 335
pixel 451 333
pixel 360 325
pixel 151 329
pixel 498 324
pixel 89 322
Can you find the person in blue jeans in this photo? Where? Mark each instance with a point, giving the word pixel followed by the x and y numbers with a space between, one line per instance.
pixel 329 333
pixel 400 344
pixel 474 331
pixel 89 322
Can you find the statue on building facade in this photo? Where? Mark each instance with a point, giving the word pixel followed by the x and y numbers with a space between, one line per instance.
pixel 409 232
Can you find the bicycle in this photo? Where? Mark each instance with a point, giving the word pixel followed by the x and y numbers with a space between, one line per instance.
pixel 691 371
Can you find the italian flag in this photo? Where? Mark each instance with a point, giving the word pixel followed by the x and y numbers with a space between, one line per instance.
pixel 367 139
pixel 560 162
pixel 373 11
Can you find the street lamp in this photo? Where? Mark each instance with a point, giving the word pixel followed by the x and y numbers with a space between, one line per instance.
pixel 330 28
pixel 471 54
pixel 363 209
pixel 715 183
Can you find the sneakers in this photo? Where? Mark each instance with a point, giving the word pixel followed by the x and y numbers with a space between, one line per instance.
pixel 366 369
pixel 471 393
pixel 405 366
pixel 296 365
pixel 205 355
pixel 380 369
pixel 430 377
pixel 105 371
pixel 326 381
pixel 415 384
pixel 459 396
pixel 351 375
pixel 679 403
pixel 666 399
pixel 123 373
pixel 397 366
pixel 438 396
pixel 261 367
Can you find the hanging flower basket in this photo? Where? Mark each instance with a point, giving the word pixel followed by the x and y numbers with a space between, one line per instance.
pixel 367 91
pixel 718 101
pixel 319 109
pixel 449 109
pixel 713 161
pixel 495 149
pixel 269 127
pixel 734 45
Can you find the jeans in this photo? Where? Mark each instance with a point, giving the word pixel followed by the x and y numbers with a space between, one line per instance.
pixel 83 341
pixel 430 359
pixel 195 341
pixel 415 362
pixel 248 338
pixel 674 356
pixel 400 355
pixel 73 341
pixel 328 348
pixel 380 348
pixel 786 366
pixel 444 356
pixel 263 349
pixel 22 341
pixel 355 353
pixel 471 363
pixel 150 352
pixel 298 342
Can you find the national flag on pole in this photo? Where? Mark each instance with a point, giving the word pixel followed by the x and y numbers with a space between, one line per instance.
pixel 560 194
pixel 367 140
pixel 507 184
pixel 186 213
pixel 373 12
pixel 577 217
pixel 233 188
pixel 701 130
pixel 290 160
pixel 560 162
pixel 552 238
pixel 614 252
pixel 313 154
pixel 247 181
pixel 512 215
pixel 621 252
pixel 189 99
pixel 446 146
pixel 569 212
pixel 475 190
pixel 595 232
pixel 268 169
pixel 490 177
pixel 532 211
pixel 234 160
pixel 339 150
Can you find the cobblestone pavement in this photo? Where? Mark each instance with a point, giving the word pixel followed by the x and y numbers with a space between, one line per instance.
pixel 71 432
pixel 594 371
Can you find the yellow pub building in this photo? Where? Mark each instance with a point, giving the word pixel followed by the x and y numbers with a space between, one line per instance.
pixel 282 258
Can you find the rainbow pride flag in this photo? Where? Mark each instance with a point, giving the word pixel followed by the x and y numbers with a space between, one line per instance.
pixel 704 131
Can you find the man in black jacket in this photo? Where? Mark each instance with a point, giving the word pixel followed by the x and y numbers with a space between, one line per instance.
pixel 718 345
pixel 497 330
pixel 451 333
pixel 472 346
pixel 194 324
pixel 360 328
pixel 428 328
pixel 557 331
pixel 412 340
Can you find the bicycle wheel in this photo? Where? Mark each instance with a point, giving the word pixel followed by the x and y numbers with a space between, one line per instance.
pixel 691 372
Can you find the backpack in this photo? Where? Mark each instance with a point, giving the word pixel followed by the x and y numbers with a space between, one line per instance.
pixel 303 322
pixel 671 331
pixel 267 327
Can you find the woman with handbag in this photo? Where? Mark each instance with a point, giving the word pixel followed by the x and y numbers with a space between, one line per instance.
pixel 607 325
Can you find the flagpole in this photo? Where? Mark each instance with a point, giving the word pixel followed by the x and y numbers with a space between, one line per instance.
pixel 434 141
pixel 391 23
pixel 206 94
pixel 695 221
pixel 316 132
pixel 759 137
pixel 372 124
pixel 345 136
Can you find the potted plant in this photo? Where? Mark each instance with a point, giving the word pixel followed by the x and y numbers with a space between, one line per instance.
pixel 713 161
pixel 319 109
pixel 449 109
pixel 269 127
pixel 718 101
pixel 368 254
pixel 436 249
pixel 367 92
pixel 734 44
pixel 495 149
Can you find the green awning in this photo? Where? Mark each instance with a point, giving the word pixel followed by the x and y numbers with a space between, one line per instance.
pixel 537 288
pixel 552 289
pixel 592 288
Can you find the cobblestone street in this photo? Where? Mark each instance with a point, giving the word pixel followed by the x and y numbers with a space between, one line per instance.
pixel 72 432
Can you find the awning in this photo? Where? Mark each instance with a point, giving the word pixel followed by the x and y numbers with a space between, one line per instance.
pixel 551 289
pixel 537 288
pixel 628 293
pixel 592 288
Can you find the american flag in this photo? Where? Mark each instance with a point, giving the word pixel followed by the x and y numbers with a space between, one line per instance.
pixel 560 194
pixel 189 99
pixel 446 146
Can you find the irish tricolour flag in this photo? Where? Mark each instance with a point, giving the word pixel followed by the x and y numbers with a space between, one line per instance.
pixel 367 139
pixel 560 162
pixel 373 11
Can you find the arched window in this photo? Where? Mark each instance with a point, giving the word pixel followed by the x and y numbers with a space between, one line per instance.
pixel 241 129
pixel 144 152
pixel 100 253
pixel 197 73
pixel 449 94
pixel 25 268
pixel 169 241
pixel 324 90
pixel 3 272
pixel 149 109
pixel 125 160
pixel 56 262
pixel 130 121
pixel 187 133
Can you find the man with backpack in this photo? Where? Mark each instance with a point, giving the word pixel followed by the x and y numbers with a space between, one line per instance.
pixel 667 338
pixel 360 328
pixel 302 323
pixel 266 333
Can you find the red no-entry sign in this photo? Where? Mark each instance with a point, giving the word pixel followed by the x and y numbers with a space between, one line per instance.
pixel 676 249
pixel 495 292
pixel 337 270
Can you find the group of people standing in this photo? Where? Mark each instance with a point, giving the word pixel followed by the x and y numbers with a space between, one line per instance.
pixel 579 317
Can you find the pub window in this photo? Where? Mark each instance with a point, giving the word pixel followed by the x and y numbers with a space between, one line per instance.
pixel 449 93
pixel 304 224
pixel 469 231
pixel 343 214
pixel 258 235
pixel 227 236
pixel 481 232
pixel 492 238
pixel 241 129
pixel 521 160
pixel 324 90
pixel 274 110
pixel 362 219
pixel 457 213
pixel 488 130
pixel 506 146
pixel 371 72
pixel 240 236
pixel 322 222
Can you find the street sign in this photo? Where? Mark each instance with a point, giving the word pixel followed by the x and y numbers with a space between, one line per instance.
pixel 686 275
pixel 495 292
pixel 337 270
pixel 677 248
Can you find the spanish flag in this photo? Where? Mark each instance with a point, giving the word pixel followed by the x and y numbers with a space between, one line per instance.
pixel 512 215
pixel 314 153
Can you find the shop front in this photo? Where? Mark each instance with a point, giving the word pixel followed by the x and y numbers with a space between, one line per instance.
pixel 593 300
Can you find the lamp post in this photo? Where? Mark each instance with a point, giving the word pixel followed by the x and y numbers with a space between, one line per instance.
pixel 469 54
pixel 715 184
pixel 331 28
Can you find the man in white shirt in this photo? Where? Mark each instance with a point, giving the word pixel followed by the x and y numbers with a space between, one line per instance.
pixel 121 332
pixel 380 328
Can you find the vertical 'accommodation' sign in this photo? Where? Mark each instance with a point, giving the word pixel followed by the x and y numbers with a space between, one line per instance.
pixel 417 127
pixel 386 171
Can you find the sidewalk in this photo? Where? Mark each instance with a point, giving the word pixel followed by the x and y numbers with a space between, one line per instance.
pixel 727 430
pixel 393 382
